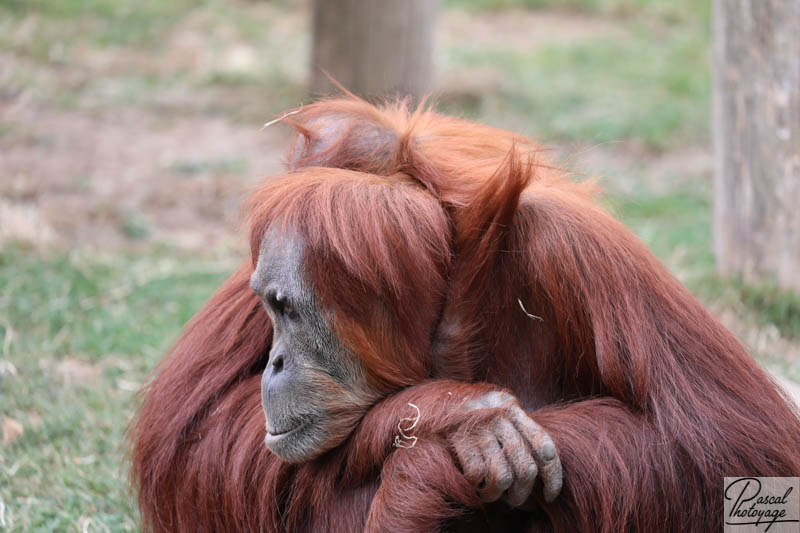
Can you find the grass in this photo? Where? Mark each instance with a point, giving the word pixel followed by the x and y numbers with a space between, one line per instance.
pixel 141 23
pixel 670 11
pixel 646 86
pixel 83 331
pixel 220 166
pixel 80 330
pixel 676 226
pixel 147 65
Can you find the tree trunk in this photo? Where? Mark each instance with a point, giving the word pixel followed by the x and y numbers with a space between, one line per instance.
pixel 757 139
pixel 374 48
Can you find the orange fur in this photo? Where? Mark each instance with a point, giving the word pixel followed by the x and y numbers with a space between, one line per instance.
pixel 426 234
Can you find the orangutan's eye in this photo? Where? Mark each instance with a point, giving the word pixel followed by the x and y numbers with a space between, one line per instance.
pixel 281 306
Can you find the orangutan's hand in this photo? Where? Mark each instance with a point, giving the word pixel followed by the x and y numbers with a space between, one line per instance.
pixel 504 456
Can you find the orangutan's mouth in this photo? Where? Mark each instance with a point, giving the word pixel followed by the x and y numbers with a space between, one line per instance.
pixel 276 435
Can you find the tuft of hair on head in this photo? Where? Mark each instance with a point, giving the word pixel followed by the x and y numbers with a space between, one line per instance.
pixel 452 158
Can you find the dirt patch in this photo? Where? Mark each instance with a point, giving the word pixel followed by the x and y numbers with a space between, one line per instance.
pixel 73 371
pixel 625 168
pixel 523 30
pixel 12 430
pixel 128 175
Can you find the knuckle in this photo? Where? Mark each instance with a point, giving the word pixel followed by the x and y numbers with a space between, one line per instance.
pixel 475 478
pixel 505 397
pixel 493 398
pixel 518 499
pixel 505 424
pixel 497 398
pixel 531 472
pixel 504 481
pixel 474 473
pixel 470 461
pixel 487 494
pixel 494 492
pixel 490 496
pixel 520 494
pixel 462 450
pixel 516 410
pixel 474 404
pixel 551 493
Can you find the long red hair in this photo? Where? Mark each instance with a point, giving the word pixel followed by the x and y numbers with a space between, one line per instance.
pixel 492 269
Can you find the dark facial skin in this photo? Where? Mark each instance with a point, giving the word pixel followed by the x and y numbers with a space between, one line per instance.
pixel 313 389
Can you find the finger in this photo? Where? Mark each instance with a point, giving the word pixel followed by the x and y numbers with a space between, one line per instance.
pixel 520 460
pixel 499 476
pixel 469 456
pixel 551 470
pixel 544 451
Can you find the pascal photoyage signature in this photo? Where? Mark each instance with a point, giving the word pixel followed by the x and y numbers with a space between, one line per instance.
pixel 750 507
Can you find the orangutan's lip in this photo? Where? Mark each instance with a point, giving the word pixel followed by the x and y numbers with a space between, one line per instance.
pixel 273 437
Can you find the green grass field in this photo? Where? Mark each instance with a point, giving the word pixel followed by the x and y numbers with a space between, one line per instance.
pixel 80 330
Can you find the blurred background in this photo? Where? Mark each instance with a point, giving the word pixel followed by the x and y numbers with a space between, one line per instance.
pixel 130 132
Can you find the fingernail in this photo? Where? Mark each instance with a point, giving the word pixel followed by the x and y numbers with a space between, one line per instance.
pixel 548 451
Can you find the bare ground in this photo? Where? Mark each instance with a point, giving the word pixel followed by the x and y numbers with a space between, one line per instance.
pixel 109 177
